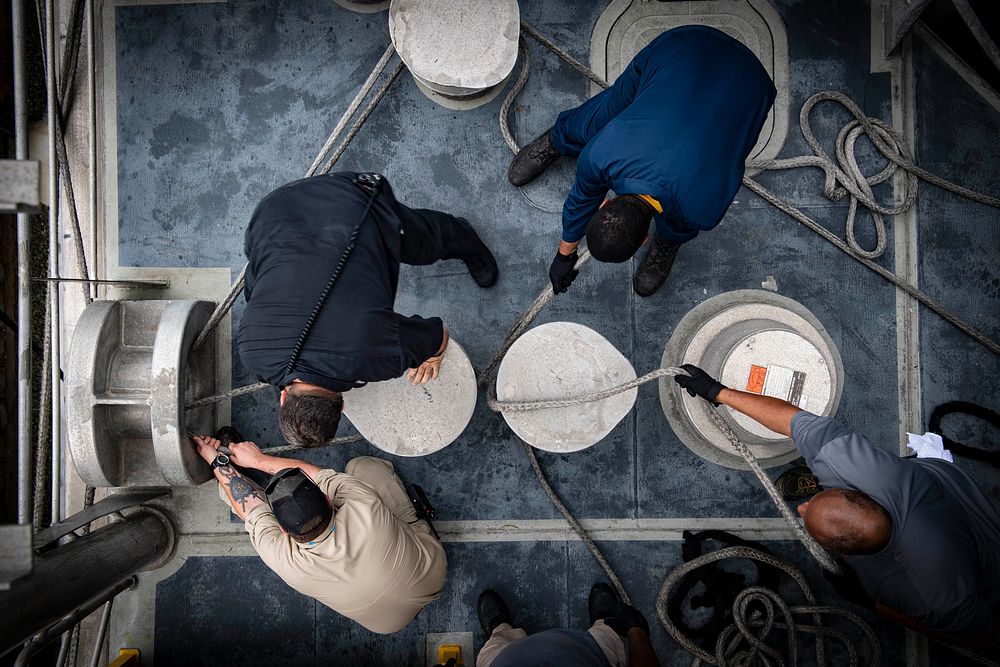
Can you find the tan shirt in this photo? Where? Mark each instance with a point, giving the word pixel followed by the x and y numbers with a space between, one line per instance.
pixel 371 567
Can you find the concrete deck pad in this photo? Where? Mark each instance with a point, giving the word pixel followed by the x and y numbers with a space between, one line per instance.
pixel 562 360
pixel 407 420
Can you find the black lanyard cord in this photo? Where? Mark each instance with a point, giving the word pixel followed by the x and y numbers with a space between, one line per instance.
pixel 372 187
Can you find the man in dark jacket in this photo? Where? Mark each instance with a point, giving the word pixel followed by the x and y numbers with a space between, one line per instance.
pixel 670 138
pixel 316 348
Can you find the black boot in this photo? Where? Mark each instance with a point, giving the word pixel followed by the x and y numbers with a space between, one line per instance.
pixel 603 602
pixel 655 268
pixel 480 261
pixel 492 611
pixel 532 160
pixel 228 435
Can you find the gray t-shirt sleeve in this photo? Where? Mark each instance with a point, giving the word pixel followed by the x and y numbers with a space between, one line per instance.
pixel 841 458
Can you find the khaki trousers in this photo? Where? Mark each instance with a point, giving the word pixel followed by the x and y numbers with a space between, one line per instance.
pixel 504 635
pixel 381 476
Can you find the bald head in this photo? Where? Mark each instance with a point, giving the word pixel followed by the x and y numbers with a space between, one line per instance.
pixel 847 522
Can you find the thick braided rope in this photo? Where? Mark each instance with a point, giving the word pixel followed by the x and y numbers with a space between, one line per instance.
pixel 743 643
pixel 343 440
pixel 352 108
pixel 817 552
pixel 232 393
pixel 363 117
pixel 222 309
pixel 582 69
pixel 237 288
pixel 903 285
pixel 528 406
pixel 515 90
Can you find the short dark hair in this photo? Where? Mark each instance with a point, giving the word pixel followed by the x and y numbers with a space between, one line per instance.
pixel 309 419
pixel 860 538
pixel 618 229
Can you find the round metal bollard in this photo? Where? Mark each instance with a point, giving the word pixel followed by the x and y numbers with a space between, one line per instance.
pixel 364 6
pixel 460 54
pixel 131 372
pixel 757 341
pixel 407 420
pixel 561 360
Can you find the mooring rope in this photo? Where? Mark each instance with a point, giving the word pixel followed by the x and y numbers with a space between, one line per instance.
pixel 843 178
pixel 756 612
pixel 236 289
pixel 817 552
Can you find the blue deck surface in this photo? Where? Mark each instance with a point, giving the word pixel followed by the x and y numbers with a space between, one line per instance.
pixel 220 103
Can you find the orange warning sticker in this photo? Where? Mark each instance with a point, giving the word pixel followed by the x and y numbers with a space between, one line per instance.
pixel 755 383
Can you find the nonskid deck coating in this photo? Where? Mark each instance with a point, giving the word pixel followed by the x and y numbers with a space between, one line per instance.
pixel 217 104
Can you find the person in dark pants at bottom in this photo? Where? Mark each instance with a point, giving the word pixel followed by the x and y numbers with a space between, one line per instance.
pixel 612 625
pixel 670 138
pixel 315 337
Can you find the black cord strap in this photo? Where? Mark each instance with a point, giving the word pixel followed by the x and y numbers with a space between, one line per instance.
pixel 958 448
pixel 370 183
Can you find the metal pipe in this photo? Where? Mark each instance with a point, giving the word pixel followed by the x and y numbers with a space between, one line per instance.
pixel 67 622
pixel 24 390
pixel 64 645
pixel 92 136
pixel 102 633
pixel 154 284
pixel 72 573
pixel 53 112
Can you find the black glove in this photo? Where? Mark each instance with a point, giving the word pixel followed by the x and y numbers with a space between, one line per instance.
pixel 628 617
pixel 700 383
pixel 848 585
pixel 562 273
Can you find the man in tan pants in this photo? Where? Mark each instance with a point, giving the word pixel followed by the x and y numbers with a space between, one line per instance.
pixel 351 540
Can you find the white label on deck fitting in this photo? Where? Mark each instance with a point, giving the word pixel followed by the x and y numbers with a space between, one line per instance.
pixel 778 382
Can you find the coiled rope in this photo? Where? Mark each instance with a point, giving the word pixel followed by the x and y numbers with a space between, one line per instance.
pixel 757 611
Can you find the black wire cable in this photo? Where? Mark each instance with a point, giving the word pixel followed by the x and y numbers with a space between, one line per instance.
pixel 958 448
pixel 351 242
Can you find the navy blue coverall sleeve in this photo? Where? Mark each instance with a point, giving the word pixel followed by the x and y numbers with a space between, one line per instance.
pixel 574 129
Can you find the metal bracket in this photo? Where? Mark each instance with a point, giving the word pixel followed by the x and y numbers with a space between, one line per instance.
pixel 49 537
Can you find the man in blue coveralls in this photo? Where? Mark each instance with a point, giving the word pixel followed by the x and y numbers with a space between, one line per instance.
pixel 670 138
pixel 921 541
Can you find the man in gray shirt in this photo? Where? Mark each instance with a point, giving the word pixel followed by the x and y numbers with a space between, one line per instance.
pixel 922 541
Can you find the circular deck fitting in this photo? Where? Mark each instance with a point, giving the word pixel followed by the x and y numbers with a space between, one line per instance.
pixel 363 7
pixel 625 27
pixel 407 420
pixel 561 360
pixel 758 341
pixel 459 53
pixel 131 372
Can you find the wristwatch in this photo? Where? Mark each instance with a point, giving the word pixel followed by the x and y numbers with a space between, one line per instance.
pixel 221 461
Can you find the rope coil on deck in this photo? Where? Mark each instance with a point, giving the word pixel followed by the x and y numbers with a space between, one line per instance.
pixel 756 612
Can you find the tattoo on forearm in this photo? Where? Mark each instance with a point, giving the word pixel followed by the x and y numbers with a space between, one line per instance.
pixel 240 489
